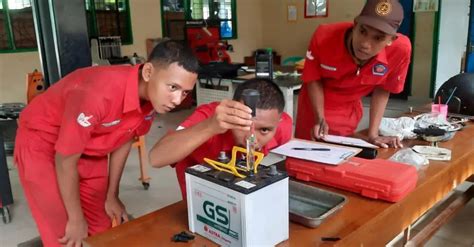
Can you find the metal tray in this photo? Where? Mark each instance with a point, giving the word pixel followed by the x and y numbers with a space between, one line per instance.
pixel 310 206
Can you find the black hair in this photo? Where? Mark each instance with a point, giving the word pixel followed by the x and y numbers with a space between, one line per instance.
pixel 271 96
pixel 171 51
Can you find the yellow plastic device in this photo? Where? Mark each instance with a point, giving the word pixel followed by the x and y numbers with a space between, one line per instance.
pixel 231 167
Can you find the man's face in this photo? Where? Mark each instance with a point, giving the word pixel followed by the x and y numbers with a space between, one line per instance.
pixel 265 122
pixel 368 42
pixel 167 87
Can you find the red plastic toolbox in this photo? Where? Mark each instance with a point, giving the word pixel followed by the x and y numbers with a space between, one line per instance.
pixel 379 179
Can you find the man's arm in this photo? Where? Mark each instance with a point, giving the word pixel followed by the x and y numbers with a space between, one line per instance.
pixel 378 103
pixel 179 144
pixel 68 183
pixel 316 96
pixel 113 206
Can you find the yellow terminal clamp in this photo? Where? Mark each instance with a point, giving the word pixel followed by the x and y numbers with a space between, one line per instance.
pixel 231 167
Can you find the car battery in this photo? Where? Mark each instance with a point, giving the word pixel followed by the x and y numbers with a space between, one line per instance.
pixel 377 178
pixel 234 211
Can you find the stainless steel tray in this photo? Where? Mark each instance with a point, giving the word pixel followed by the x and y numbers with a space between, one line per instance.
pixel 310 206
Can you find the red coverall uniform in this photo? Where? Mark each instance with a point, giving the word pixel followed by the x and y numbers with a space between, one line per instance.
pixel 223 142
pixel 344 82
pixel 92 111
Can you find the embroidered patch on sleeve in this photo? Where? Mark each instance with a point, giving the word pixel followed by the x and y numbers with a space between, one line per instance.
pixel 379 69
pixel 83 120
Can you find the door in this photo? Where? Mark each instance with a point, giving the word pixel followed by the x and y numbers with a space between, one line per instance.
pixel 453 29
pixel 470 43
pixel 407 29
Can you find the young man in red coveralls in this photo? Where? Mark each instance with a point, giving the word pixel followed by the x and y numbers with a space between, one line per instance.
pixel 347 61
pixel 219 126
pixel 66 134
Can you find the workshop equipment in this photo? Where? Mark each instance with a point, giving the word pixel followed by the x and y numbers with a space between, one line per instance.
pixel 205 42
pixel 234 211
pixel 377 178
pixel 264 63
pixel 9 113
pixel 251 97
pixel 6 197
pixel 432 134
pixel 310 205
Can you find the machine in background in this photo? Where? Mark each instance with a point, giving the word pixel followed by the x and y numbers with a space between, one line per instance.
pixel 205 42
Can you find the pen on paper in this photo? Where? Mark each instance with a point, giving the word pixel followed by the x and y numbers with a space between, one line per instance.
pixel 312 149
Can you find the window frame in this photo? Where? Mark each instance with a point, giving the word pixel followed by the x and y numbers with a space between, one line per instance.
pixel 9 32
pixel 212 17
pixel 92 33
pixel 95 32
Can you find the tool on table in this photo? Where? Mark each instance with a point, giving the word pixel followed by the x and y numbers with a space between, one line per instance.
pixel 183 236
pixel 251 98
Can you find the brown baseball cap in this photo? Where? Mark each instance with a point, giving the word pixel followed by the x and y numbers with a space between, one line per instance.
pixel 383 15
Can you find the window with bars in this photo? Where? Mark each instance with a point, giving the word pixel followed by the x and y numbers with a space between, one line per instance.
pixel 109 18
pixel 104 18
pixel 176 12
pixel 17 30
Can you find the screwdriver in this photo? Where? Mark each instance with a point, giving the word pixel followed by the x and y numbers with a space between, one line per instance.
pixel 251 98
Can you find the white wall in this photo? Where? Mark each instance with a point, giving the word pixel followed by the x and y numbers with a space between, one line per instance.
pixel 261 23
pixel 454 25
pixel 13 70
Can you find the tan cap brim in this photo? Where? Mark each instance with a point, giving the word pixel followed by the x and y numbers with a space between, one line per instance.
pixel 376 23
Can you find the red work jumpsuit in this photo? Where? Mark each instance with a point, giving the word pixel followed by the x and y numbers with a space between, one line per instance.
pixel 223 142
pixel 92 112
pixel 344 83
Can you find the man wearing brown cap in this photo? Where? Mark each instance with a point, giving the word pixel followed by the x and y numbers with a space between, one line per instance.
pixel 347 61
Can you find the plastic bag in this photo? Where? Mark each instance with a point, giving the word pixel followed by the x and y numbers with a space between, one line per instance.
pixel 427 120
pixel 400 127
pixel 408 156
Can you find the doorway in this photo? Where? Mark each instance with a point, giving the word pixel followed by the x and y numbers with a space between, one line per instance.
pixel 452 39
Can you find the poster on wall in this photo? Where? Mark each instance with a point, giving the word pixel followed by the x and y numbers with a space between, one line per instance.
pixel 292 13
pixel 425 5
pixel 315 8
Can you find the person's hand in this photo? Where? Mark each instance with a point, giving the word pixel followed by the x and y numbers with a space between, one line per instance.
pixel 116 210
pixel 231 115
pixel 320 129
pixel 76 231
pixel 386 141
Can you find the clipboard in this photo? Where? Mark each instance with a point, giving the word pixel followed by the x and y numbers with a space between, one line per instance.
pixel 316 151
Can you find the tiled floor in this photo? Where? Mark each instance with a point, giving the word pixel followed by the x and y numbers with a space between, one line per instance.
pixel 164 190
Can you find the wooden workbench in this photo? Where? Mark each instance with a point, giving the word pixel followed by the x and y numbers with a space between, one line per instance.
pixel 361 222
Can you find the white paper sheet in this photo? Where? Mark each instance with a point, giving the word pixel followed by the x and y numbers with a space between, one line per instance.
pixel 348 141
pixel 334 156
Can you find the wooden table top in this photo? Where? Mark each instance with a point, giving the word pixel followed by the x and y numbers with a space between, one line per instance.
pixel 361 221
